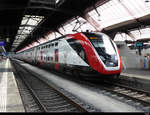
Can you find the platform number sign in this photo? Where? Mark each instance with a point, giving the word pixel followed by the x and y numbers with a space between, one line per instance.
pixel 139 44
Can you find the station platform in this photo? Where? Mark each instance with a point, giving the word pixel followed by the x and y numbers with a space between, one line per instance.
pixel 10 99
pixel 136 73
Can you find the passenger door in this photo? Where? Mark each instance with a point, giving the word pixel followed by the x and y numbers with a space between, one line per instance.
pixel 56 57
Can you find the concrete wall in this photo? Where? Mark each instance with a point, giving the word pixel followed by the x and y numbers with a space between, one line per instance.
pixel 129 58
pixel 145 51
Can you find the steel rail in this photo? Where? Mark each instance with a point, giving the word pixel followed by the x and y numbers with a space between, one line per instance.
pixel 61 94
pixel 128 92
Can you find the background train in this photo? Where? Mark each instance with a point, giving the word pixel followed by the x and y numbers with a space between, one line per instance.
pixel 83 54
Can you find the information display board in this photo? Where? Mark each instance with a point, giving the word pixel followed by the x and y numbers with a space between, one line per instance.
pixel 2 43
pixel 139 44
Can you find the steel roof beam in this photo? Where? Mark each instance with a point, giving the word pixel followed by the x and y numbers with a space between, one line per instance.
pixel 64 11
pixel 51 2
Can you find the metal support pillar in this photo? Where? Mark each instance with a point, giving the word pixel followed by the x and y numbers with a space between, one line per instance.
pixel 139 49
pixel 131 35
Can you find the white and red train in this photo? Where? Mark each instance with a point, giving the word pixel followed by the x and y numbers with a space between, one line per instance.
pixel 85 53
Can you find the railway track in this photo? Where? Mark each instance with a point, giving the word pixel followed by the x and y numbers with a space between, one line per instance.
pixel 46 97
pixel 140 97
pixel 28 101
pixel 134 97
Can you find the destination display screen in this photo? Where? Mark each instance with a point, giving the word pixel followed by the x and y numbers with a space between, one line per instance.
pixel 93 38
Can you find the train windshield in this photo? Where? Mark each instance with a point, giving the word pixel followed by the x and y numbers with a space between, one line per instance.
pixel 104 48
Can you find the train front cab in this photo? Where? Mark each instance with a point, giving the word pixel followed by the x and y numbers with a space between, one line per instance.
pixel 102 53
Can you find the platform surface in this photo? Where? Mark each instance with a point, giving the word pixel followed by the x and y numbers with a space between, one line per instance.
pixel 10 99
pixel 137 73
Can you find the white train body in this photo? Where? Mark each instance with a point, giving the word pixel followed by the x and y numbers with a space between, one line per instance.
pixel 75 53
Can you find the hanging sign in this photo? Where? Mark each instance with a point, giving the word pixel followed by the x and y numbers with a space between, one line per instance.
pixel 139 44
pixel 2 43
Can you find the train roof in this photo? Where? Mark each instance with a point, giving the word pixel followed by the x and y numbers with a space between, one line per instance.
pixel 85 33
pixel 45 43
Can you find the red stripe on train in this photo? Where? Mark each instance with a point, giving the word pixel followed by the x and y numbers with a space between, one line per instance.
pixel 56 59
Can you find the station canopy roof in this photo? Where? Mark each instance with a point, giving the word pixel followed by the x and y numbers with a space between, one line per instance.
pixel 27 22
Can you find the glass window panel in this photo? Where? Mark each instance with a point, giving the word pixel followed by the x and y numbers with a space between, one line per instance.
pixel 19 31
pixel 114 11
pixel 24 31
pixel 32 22
pixel 57 34
pixel 76 25
pixel 122 37
pixel 142 33
pixel 24 21
pixel 20 28
pixel 17 36
pixel 136 7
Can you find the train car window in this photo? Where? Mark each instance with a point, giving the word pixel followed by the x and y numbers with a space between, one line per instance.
pixel 51 58
pixel 71 40
pixel 56 44
pixel 76 45
pixel 52 45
